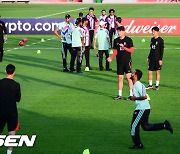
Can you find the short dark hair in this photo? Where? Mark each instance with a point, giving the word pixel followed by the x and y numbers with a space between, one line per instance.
pixel 91 8
pixel 103 10
pixel 84 19
pixel 156 29
pixel 80 14
pixel 119 19
pixel 121 28
pixel 138 73
pixel 111 10
pixel 10 69
pixel 78 21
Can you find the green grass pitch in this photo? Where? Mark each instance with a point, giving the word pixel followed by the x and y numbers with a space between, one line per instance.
pixel 70 112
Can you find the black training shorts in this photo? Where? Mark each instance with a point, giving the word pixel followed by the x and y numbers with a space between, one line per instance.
pixel 11 120
pixel 154 66
pixel 124 67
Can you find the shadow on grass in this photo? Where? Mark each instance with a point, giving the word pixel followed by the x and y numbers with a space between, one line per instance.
pixel 28 78
pixel 71 135
pixel 172 44
pixel 163 85
pixel 49 65
pixel 52 65
pixel 34 62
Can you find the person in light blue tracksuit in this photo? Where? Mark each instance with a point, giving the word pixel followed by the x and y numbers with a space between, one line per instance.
pixel 142 111
pixel 65 29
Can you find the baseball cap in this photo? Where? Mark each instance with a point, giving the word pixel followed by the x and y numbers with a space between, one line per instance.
pixel 102 23
pixel 67 16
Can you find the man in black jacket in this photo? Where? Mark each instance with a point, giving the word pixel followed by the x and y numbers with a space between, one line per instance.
pixel 2 38
pixel 10 93
pixel 155 57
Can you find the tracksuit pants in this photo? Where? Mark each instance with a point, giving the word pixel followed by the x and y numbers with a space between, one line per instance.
pixel 101 52
pixel 76 53
pixel 91 34
pixel 141 117
pixel 111 33
pixel 65 48
pixel 87 55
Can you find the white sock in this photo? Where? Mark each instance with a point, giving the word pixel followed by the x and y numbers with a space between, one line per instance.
pixel 9 151
pixel 150 82
pixel 157 83
pixel 120 93
pixel 130 92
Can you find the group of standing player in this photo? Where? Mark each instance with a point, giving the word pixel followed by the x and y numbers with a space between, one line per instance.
pixel 78 38
pixel 83 32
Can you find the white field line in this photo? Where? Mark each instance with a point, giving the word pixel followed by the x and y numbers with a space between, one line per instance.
pixel 28 45
pixel 61 13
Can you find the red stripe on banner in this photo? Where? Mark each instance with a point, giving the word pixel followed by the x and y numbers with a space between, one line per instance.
pixel 147 1
pixel 141 26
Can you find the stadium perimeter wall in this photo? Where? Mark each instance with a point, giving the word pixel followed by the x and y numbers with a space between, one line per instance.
pixel 105 1
pixel 90 1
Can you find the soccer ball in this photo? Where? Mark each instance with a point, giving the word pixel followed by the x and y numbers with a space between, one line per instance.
pixel 24 40
pixel 21 43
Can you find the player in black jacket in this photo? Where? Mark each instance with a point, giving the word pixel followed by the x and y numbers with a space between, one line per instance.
pixel 2 38
pixel 123 48
pixel 155 57
pixel 10 93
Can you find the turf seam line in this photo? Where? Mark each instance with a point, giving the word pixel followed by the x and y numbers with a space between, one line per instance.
pixel 61 13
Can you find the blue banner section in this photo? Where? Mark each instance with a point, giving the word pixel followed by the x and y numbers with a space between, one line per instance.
pixel 31 25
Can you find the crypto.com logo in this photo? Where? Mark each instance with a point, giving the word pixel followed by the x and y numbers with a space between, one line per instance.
pixel 17 140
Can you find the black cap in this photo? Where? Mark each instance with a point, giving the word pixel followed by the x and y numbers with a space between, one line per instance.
pixel 67 16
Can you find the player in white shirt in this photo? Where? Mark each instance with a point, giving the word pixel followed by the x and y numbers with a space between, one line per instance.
pixel 86 35
pixel 103 16
pixel 91 24
pixel 111 24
